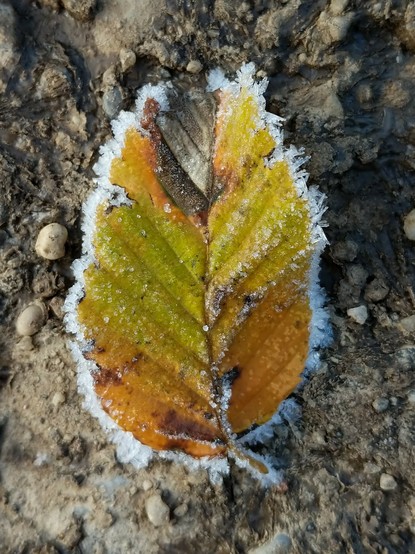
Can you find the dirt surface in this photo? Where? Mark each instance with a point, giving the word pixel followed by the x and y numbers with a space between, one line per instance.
pixel 342 74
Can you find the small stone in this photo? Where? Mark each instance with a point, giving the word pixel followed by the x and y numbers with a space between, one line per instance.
pixel 356 275
pixel 181 510
pixel 111 101
pixel 380 405
pixel 408 324
pixel 127 59
pixel 50 243
pixel 282 543
pixel 25 344
pixel 32 319
pixel 58 399
pixel 157 511
pixel 337 7
pixel 56 305
pixel 147 485
pixel 334 28
pixel 371 468
pixel 411 397
pixel 194 66
pixel 387 482
pixel 54 82
pixel 376 290
pixel 358 314
pixel 82 10
pixel 409 225
pixel 364 93
pixel 345 251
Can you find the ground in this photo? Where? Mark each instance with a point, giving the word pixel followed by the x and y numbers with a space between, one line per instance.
pixel 342 75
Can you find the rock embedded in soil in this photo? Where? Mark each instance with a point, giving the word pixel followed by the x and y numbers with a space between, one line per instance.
pixel 387 482
pixel 82 10
pixel 9 55
pixel 194 66
pixel 157 511
pixel 181 510
pixel 380 405
pixel 409 225
pixel 50 243
pixel 376 290
pixel 358 314
pixel 127 59
pixel 111 101
pixel 344 251
pixel 31 319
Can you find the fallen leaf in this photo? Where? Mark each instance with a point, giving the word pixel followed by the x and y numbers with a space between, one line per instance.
pixel 197 295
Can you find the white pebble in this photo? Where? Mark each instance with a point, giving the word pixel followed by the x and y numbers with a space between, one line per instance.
pixel 387 482
pixel 58 399
pixel 358 314
pixel 127 59
pixel 408 323
pixel 409 225
pixel 51 240
pixel 147 485
pixel 32 319
pixel 411 397
pixel 380 405
pixel 181 510
pixel 194 66
pixel 157 511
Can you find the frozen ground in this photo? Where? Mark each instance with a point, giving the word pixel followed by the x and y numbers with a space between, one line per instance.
pixel 342 74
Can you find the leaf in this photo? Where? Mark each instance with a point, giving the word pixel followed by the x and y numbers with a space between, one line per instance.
pixel 194 301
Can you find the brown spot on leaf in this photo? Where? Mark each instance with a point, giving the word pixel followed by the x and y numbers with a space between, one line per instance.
pixel 174 424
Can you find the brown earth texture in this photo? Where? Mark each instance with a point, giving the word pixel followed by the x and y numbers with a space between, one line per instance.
pixel 342 74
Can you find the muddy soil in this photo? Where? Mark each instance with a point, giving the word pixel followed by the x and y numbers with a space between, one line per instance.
pixel 342 74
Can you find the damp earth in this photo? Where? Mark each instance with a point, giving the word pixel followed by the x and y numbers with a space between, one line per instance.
pixel 341 75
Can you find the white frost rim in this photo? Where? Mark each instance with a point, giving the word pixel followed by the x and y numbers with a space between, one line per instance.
pixel 129 449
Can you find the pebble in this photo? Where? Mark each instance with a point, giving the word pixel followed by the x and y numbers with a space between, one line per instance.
pixel 9 54
pixel 408 323
pixel 334 28
pixel 282 543
pixel 54 82
pixel 409 225
pixel 58 399
pixel 380 405
pixel 50 243
pixel 181 510
pixel 358 314
pixel 371 468
pixel 157 511
pixel 111 101
pixel 82 10
pixel 405 357
pixel 56 305
pixel 147 485
pixel 387 482
pixel 194 66
pixel 376 290
pixel 127 59
pixel 345 251
pixel 25 344
pixel 337 7
pixel 356 274
pixel 411 397
pixel 31 319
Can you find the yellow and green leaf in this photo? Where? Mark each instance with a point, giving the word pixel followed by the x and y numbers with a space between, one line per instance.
pixel 192 290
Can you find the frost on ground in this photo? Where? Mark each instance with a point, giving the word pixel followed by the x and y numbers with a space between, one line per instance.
pixel 341 76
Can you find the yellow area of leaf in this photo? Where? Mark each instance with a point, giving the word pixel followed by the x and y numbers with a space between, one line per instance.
pixel 170 314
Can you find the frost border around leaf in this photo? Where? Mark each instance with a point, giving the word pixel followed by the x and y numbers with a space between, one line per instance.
pixel 129 449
